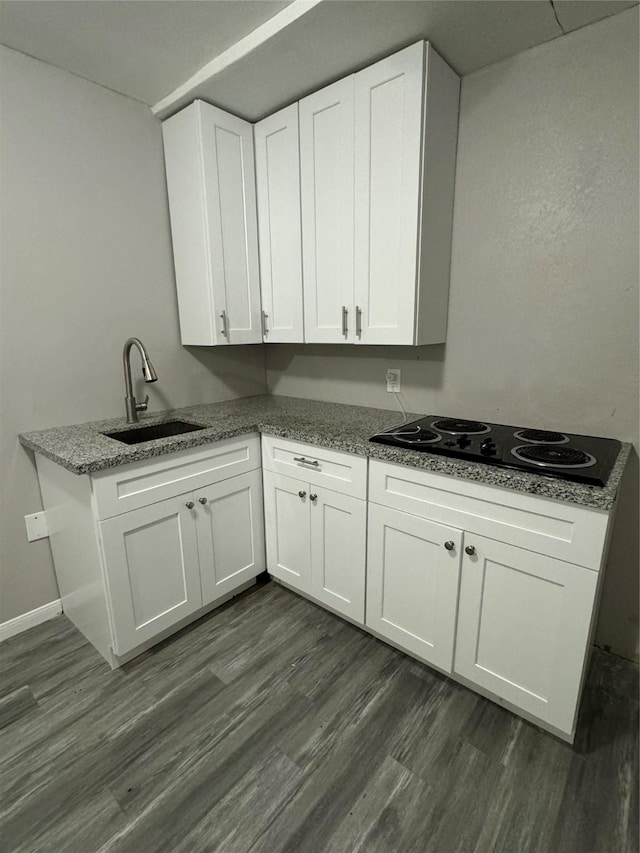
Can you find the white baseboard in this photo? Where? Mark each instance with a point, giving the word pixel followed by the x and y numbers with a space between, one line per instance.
pixel 30 619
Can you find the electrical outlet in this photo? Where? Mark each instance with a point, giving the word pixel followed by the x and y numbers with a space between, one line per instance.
pixel 393 379
pixel 36 526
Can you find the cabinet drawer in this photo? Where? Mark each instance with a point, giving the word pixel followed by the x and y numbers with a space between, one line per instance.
pixel 565 531
pixel 131 486
pixel 333 469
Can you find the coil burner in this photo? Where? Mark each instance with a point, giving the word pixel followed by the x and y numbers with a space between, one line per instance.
pixel 458 427
pixel 550 456
pixel 541 436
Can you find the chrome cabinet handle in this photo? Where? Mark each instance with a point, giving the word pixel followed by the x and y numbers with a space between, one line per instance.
pixel 189 504
pixel 358 321
pixel 265 328
pixel 224 329
pixel 306 461
pixel 302 494
pixel 202 501
pixel 449 545
pixel 470 550
pixel 313 497
pixel 345 314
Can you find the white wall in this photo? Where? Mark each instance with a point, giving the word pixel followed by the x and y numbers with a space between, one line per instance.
pixel 543 323
pixel 86 262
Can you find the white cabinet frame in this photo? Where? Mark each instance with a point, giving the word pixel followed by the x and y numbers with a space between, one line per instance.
pixel 277 151
pixel 209 162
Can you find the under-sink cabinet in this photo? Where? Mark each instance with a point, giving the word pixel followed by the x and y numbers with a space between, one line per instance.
pixel 142 549
pixel 316 522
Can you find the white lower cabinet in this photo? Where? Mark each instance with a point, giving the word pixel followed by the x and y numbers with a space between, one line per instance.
pixel 286 516
pixel 152 570
pixel 523 627
pixel 338 551
pixel 142 549
pixel 496 596
pixel 316 542
pixel 167 560
pixel 413 572
pixel 230 530
pixel 496 588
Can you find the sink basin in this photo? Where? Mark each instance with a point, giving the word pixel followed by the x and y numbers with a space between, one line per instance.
pixel 150 433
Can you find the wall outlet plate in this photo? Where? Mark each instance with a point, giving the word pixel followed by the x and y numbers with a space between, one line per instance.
pixel 36 526
pixel 393 379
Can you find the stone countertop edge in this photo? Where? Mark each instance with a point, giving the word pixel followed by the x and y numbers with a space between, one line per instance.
pixel 84 449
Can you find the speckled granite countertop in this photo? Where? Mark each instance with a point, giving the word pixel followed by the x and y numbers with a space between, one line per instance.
pixel 82 448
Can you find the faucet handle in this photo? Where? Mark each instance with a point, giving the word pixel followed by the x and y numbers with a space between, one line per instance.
pixel 142 407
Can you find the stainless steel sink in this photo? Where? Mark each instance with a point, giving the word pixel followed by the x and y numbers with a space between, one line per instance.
pixel 151 433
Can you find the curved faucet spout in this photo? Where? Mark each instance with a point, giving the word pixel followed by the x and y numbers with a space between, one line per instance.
pixel 148 372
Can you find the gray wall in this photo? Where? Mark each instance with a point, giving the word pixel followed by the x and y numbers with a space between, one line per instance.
pixel 543 323
pixel 86 262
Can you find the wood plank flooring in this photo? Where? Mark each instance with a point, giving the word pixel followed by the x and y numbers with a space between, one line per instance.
pixel 272 726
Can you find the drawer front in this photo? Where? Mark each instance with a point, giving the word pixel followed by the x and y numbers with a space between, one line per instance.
pixel 565 531
pixel 139 484
pixel 333 469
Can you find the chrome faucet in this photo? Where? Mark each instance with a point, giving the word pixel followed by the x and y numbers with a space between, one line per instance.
pixel 132 407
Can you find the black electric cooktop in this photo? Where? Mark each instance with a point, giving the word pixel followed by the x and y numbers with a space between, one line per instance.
pixel 579 458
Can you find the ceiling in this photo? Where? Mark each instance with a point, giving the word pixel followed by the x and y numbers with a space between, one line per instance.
pixel 253 56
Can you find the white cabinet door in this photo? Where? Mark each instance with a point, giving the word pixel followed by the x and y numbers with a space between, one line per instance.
pixel 230 529
pixel 326 169
pixel 286 513
pixel 412 583
pixel 523 628
pixel 388 146
pixel 211 186
pixel 278 189
pixel 338 551
pixel 152 569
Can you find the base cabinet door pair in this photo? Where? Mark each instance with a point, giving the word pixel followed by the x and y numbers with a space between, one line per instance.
pixel 142 549
pixel 316 522
pixel 316 542
pixel 167 560
pixel 510 622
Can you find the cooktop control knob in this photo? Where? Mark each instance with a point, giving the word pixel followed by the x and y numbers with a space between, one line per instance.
pixel 464 441
pixel 488 447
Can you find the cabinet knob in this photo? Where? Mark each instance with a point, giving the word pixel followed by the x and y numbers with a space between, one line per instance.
pixel 449 545
pixel 302 494
pixel 313 497
pixel 189 504
pixel 470 550
pixel 202 501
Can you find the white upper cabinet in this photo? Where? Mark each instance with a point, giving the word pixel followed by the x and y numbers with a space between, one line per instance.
pixel 326 169
pixel 353 192
pixel 388 141
pixel 406 123
pixel 211 186
pixel 278 191
pixel 378 153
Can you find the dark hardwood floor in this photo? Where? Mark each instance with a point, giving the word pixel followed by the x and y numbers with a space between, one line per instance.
pixel 272 726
